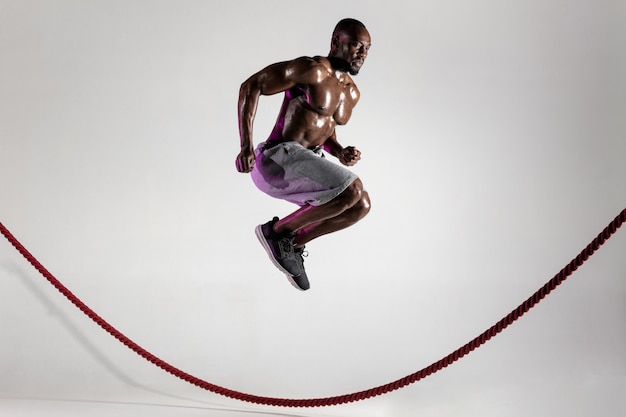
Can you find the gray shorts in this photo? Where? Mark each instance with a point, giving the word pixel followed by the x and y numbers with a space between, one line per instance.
pixel 299 175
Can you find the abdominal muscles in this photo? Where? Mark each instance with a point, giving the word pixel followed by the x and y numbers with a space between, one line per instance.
pixel 306 126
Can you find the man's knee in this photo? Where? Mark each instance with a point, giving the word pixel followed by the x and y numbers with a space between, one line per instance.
pixel 353 194
pixel 365 203
pixel 359 199
pixel 363 206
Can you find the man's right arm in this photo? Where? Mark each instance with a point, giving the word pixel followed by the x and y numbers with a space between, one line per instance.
pixel 273 79
pixel 249 94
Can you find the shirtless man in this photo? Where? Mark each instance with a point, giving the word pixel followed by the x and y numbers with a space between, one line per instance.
pixel 319 95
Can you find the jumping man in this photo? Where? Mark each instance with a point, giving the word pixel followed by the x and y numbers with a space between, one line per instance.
pixel 319 95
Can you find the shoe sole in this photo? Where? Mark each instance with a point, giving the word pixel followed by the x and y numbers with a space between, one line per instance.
pixel 259 234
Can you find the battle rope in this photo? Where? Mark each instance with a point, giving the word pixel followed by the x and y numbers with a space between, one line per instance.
pixel 341 399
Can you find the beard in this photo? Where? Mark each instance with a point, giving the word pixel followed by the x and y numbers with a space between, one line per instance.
pixel 343 65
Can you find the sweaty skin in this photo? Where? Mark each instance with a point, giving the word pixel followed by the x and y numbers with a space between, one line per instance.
pixel 319 94
pixel 318 97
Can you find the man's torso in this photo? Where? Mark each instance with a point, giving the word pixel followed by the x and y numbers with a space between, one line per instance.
pixel 311 111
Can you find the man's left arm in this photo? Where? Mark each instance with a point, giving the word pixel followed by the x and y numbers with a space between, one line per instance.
pixel 347 156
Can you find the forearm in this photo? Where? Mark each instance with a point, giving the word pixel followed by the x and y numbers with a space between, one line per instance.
pixel 347 156
pixel 332 146
pixel 247 106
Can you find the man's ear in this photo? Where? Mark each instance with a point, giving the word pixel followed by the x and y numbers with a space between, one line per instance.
pixel 334 43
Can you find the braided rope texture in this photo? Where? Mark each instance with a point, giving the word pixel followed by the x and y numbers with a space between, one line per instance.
pixel 341 399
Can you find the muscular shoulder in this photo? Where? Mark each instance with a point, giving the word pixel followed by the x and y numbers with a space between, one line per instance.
pixel 310 70
pixel 282 76
pixel 314 62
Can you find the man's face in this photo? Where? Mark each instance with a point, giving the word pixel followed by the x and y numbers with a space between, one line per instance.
pixel 352 47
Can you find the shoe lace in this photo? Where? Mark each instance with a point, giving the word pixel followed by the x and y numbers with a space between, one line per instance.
pixel 302 252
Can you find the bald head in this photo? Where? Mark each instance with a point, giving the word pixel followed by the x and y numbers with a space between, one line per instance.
pixel 347 25
pixel 349 45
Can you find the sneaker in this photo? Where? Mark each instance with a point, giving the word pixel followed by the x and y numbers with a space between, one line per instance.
pixel 279 247
pixel 300 254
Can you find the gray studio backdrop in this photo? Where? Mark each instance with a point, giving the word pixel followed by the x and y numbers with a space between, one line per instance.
pixel 493 137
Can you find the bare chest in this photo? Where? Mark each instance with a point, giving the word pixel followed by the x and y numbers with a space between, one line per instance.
pixel 331 98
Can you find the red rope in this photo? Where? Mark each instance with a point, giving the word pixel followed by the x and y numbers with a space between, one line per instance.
pixel 341 399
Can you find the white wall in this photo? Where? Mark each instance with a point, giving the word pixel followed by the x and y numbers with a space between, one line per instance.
pixel 493 139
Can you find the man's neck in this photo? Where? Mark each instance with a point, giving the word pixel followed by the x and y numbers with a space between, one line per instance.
pixel 339 64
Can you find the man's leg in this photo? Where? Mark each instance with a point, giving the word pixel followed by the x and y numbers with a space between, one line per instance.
pixel 310 222
pixel 343 220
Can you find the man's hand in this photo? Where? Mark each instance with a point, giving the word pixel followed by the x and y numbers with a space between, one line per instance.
pixel 349 155
pixel 245 161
